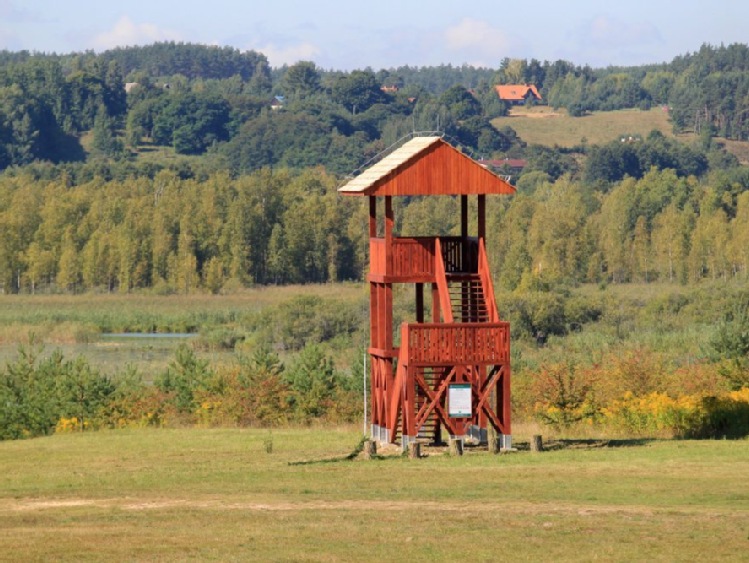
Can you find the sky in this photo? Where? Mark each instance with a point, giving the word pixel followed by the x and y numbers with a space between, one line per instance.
pixel 347 35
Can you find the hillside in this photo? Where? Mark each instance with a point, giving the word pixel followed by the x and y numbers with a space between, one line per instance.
pixel 544 125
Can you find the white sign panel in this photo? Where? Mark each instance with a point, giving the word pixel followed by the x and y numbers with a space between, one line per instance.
pixel 459 404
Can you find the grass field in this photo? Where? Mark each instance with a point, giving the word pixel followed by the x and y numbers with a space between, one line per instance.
pixel 545 126
pixel 220 495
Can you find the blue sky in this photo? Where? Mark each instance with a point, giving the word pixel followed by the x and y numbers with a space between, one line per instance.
pixel 386 33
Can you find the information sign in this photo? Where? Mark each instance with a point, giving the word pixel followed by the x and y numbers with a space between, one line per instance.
pixel 459 404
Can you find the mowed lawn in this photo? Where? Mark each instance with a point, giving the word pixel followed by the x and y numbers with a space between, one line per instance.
pixel 239 494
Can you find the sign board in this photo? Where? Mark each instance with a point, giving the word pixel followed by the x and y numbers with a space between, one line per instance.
pixel 459 404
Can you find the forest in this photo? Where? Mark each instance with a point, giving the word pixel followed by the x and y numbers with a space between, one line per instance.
pixel 167 167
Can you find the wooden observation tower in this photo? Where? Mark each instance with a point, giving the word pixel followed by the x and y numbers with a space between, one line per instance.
pixel 452 371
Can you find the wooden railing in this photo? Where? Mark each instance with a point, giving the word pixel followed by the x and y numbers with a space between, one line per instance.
pixel 414 257
pixel 486 282
pixel 452 253
pixel 456 343
pixel 377 256
pixel 441 278
pixel 396 392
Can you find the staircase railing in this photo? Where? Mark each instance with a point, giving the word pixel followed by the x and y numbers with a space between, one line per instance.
pixel 399 389
pixel 486 283
pixel 442 289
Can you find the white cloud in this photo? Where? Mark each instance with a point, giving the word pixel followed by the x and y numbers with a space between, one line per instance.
pixel 290 54
pixel 476 39
pixel 126 32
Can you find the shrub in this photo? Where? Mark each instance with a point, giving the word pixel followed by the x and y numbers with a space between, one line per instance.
pixel 30 406
pixel 729 346
pixel 185 375
pixel 726 416
pixel 654 413
pixel 251 393
pixel 564 394
pixel 307 319
pixel 83 393
pixel 39 394
pixel 134 404
pixel 217 339
pixel 688 416
pixel 313 381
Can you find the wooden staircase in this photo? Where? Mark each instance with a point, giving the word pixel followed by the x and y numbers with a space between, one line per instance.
pixel 467 298
pixel 431 431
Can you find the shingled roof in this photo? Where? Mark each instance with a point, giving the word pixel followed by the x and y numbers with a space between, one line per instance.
pixel 427 166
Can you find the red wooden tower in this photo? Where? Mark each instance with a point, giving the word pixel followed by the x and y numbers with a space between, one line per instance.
pixel 452 371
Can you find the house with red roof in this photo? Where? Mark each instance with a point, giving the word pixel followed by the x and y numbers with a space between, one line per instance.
pixel 517 94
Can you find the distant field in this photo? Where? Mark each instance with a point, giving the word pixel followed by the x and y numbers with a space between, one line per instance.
pixel 226 495
pixel 544 126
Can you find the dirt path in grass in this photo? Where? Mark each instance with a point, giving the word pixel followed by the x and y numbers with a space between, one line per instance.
pixel 133 504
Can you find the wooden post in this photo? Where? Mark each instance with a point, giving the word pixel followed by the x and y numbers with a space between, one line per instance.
pixel 389 222
pixel 464 231
pixel 370 449
pixel 419 302
pixel 414 450
pixel 492 439
pixel 506 406
pixel 456 447
pixel 482 217
pixel 537 444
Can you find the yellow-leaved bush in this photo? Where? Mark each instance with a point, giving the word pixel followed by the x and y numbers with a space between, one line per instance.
pixel 659 414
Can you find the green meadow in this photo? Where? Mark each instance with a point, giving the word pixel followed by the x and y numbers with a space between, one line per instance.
pixel 292 495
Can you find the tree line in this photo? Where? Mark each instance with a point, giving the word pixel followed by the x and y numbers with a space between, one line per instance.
pixel 215 232
pixel 175 234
